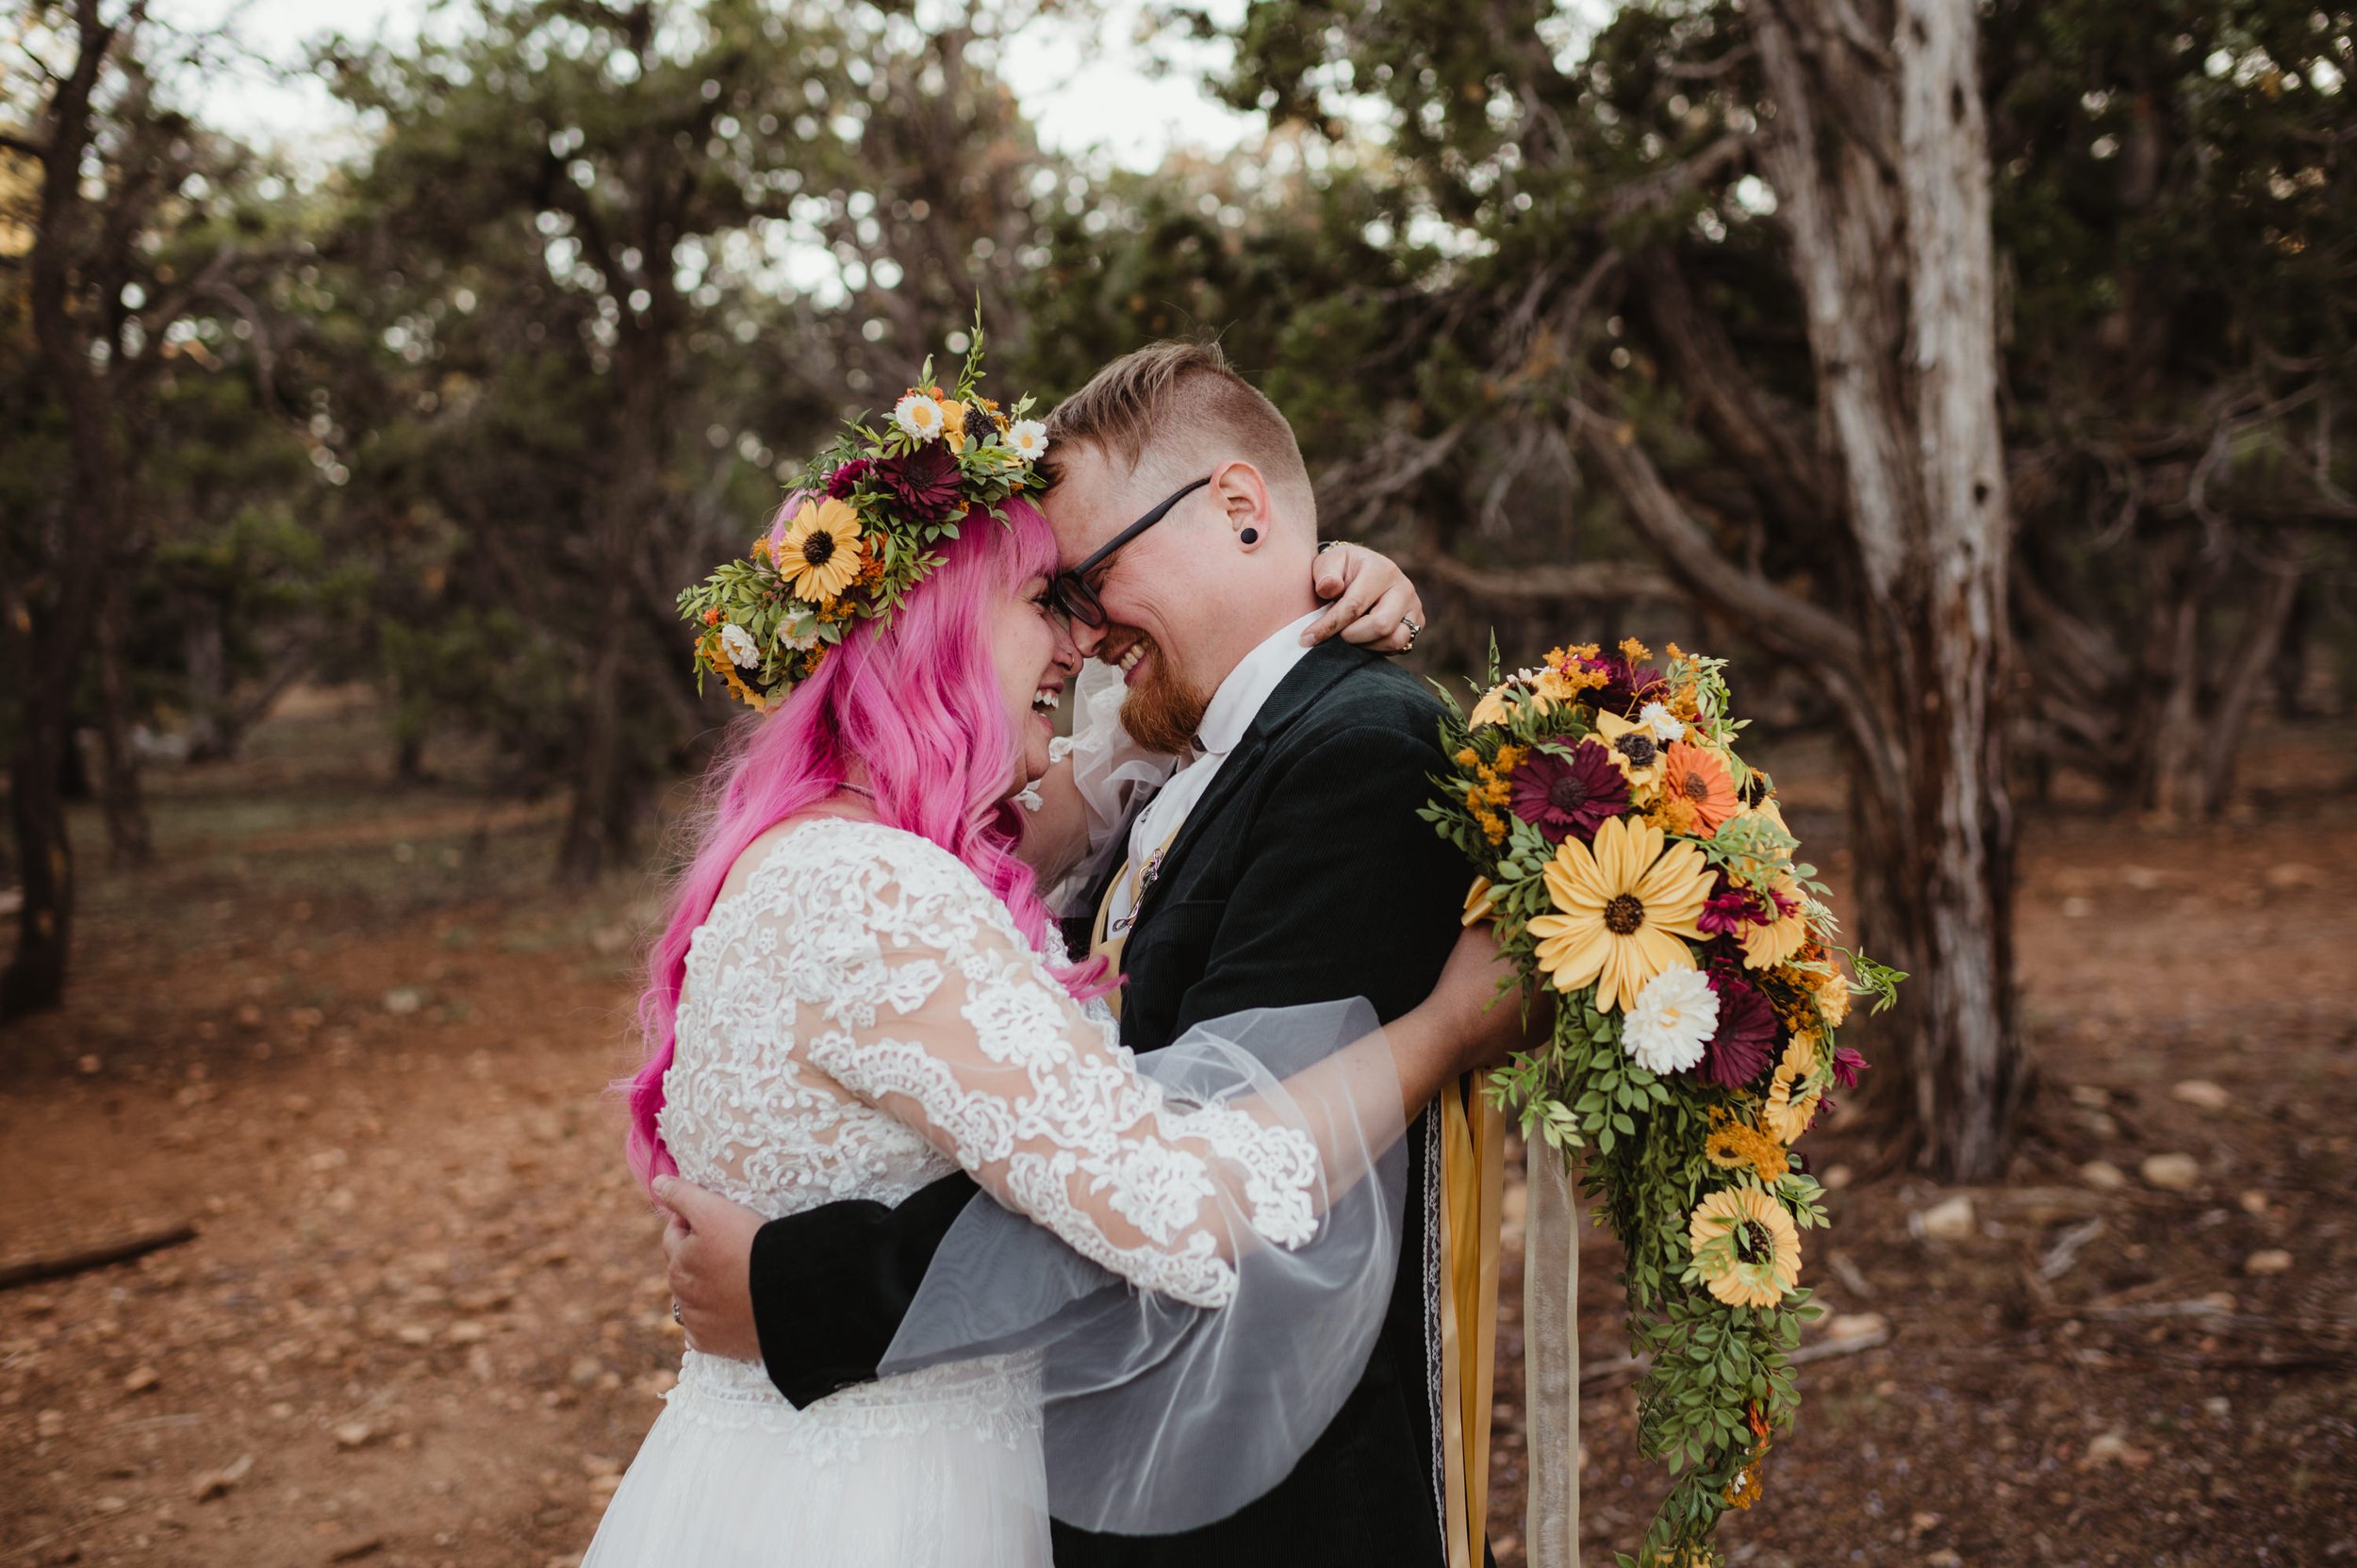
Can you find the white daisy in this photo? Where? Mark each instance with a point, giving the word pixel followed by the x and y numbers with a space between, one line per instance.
pixel 737 643
pixel 1027 439
pixel 1665 725
pixel 1672 1020
pixel 919 415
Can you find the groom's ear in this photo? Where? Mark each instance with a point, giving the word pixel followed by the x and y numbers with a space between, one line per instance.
pixel 1243 499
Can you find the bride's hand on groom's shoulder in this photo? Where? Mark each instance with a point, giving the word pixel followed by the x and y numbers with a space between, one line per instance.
pixel 1369 600
pixel 708 1248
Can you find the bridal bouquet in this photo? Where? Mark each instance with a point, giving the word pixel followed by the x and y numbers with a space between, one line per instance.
pixel 1634 862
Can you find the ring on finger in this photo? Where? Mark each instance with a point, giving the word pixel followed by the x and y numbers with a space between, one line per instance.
pixel 1407 624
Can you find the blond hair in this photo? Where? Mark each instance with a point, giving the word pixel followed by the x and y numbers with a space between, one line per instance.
pixel 1181 396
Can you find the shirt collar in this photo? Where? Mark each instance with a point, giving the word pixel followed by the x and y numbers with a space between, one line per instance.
pixel 1238 700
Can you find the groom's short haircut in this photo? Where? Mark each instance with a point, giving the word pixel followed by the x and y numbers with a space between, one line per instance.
pixel 1181 398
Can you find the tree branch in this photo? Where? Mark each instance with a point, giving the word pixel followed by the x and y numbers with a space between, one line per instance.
pixel 1730 405
pixel 1658 188
pixel 1780 621
pixel 1542 585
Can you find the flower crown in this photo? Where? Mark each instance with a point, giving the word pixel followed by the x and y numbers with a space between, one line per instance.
pixel 872 507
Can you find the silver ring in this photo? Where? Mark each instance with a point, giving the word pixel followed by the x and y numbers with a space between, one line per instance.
pixel 1414 632
pixel 675 1317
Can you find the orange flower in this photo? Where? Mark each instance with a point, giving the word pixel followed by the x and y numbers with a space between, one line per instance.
pixel 723 665
pixel 1697 776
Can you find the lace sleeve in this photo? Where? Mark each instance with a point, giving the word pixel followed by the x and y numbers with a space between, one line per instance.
pixel 939 1015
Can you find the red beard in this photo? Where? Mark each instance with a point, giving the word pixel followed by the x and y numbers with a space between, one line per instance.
pixel 1162 712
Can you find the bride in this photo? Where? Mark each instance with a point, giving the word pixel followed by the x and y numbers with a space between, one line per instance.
pixel 859 990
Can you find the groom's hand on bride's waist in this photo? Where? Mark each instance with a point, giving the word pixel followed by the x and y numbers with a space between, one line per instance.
pixel 708 1247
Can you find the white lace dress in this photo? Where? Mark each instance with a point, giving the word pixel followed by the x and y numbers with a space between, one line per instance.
pixel 860 1018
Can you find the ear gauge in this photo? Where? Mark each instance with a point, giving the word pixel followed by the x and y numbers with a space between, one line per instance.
pixel 1250 535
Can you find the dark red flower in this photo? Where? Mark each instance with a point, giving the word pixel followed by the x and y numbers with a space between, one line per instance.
pixel 1847 1064
pixel 1560 795
pixel 1625 685
pixel 847 477
pixel 1730 908
pixel 1746 1037
pixel 924 484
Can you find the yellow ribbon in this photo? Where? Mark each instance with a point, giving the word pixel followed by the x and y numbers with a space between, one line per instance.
pixel 1472 1176
pixel 1110 948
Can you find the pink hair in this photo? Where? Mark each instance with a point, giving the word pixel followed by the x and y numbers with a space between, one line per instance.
pixel 917 702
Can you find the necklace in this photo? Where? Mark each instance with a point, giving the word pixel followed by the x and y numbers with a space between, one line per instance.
pixel 857 789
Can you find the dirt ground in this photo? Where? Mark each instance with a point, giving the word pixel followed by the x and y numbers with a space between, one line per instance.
pixel 350 1034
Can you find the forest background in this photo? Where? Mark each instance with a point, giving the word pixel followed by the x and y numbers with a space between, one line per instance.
pixel 1976 377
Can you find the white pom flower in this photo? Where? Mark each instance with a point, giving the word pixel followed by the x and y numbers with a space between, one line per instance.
pixel 1027 439
pixel 919 416
pixel 799 644
pixel 1672 1020
pixel 737 643
pixel 1665 725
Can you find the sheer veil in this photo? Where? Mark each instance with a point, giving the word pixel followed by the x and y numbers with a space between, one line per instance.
pixel 1159 1416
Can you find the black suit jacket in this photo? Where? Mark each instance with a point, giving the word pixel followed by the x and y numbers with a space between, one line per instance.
pixel 1302 875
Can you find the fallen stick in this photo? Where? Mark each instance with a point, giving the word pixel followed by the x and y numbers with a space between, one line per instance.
pixel 1604 1375
pixel 65 1265
pixel 1849 1344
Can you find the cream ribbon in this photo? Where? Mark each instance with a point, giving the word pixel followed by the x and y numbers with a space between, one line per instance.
pixel 1551 1359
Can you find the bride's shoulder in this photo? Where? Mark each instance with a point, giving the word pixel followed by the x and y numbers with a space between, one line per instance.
pixel 851 852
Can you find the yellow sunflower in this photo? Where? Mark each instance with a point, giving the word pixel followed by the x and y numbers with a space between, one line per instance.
pixel 1622 910
pixel 820 554
pixel 1480 902
pixel 1746 1247
pixel 1790 1106
pixel 1493 707
pixel 1635 750
pixel 1764 946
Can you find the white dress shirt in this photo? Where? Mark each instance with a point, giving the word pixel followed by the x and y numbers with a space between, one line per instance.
pixel 1231 712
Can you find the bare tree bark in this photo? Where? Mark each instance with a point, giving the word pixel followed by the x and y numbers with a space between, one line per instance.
pixel 609 783
pixel 1879 156
pixel 2237 699
pixel 52 623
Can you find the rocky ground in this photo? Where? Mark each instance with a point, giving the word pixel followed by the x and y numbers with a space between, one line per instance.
pixel 347 1034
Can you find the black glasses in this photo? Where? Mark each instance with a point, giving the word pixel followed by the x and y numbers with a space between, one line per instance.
pixel 1070 590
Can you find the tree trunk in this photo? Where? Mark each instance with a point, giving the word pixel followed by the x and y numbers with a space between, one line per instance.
pixel 410 758
pixel 53 627
pixel 130 841
pixel 2254 661
pixel 2167 741
pixel 201 648
pixel 608 781
pixel 36 975
pixel 1879 156
pixel 598 781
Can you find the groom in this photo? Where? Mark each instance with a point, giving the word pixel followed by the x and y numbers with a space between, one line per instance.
pixel 1282 863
